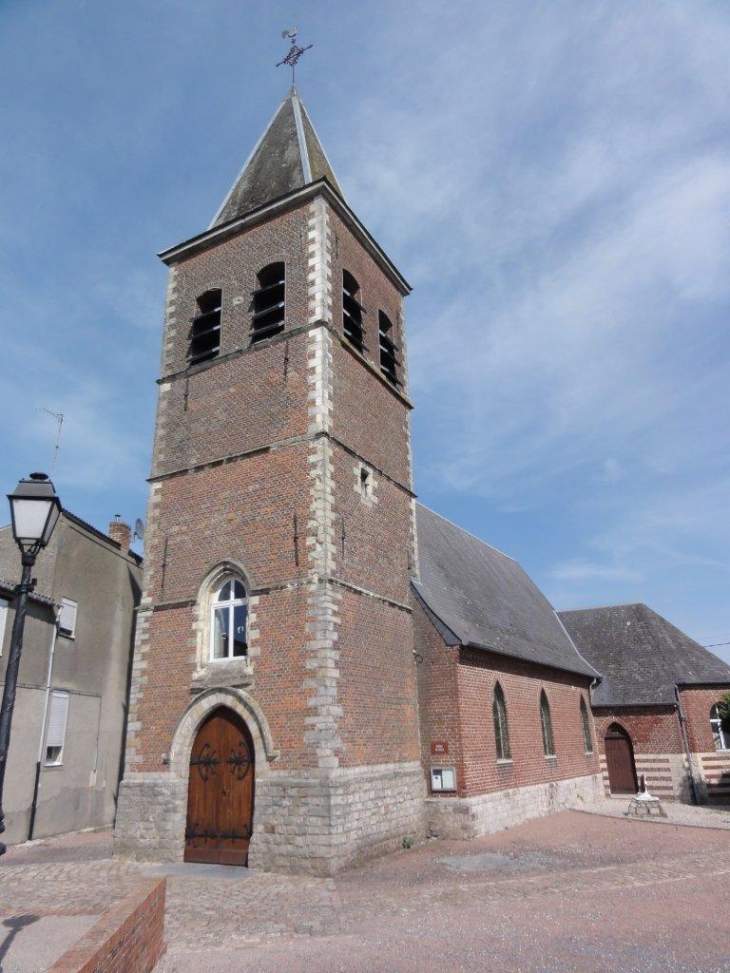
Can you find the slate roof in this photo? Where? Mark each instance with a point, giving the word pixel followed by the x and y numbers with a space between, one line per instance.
pixel 288 156
pixel 640 655
pixel 480 597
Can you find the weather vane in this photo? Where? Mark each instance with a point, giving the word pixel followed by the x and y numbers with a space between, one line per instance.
pixel 294 52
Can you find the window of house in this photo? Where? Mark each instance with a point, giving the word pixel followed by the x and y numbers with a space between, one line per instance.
pixel 719 735
pixel 587 742
pixel 229 621
pixel 501 730
pixel 352 310
pixel 269 302
pixel 56 729
pixel 387 348
pixel 4 605
pixel 67 618
pixel 205 330
pixel 548 744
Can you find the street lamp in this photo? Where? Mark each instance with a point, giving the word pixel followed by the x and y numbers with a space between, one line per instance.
pixel 35 509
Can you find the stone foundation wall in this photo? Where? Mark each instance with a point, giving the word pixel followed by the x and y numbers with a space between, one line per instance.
pixel 470 817
pixel 151 813
pixel 319 825
pixel 315 824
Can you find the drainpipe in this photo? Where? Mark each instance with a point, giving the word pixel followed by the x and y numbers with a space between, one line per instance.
pixel 37 782
pixel 685 739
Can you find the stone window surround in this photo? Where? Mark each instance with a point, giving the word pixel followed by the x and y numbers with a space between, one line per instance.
pixel 219 673
pixel 720 736
pixel 365 483
pixel 230 603
pixel 586 726
pixel 501 724
pixel 546 725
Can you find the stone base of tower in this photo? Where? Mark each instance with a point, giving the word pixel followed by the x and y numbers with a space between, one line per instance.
pixel 320 825
pixel 315 824
pixel 471 817
pixel 151 812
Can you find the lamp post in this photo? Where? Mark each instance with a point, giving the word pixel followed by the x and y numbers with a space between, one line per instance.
pixel 35 509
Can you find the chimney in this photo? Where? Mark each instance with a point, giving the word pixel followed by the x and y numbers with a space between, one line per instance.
pixel 120 532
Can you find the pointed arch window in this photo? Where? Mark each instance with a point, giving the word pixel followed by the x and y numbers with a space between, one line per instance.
pixel 388 361
pixel 501 729
pixel 548 743
pixel 587 741
pixel 229 621
pixel 205 328
pixel 352 310
pixel 720 735
pixel 269 301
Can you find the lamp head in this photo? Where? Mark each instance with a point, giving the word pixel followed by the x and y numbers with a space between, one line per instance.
pixel 35 509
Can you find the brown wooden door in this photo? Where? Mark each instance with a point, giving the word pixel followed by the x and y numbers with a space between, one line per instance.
pixel 220 791
pixel 620 761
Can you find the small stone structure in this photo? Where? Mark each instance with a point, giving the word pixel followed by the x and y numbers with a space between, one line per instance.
pixel 644 805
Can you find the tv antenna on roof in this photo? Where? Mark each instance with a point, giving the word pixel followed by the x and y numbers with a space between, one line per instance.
pixel 294 53
pixel 59 417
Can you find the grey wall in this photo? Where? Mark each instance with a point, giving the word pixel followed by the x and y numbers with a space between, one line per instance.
pixel 92 668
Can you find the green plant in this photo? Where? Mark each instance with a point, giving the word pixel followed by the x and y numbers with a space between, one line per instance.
pixel 407 842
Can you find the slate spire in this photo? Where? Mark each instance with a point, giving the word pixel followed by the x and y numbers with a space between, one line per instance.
pixel 288 156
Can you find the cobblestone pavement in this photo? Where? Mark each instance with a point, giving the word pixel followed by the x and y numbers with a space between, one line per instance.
pixel 573 892
pixel 51 892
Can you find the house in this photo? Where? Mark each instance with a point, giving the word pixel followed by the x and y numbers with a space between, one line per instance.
pixel 321 668
pixel 64 760
pixel 656 707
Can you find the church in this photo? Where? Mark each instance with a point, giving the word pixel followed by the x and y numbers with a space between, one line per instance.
pixel 324 669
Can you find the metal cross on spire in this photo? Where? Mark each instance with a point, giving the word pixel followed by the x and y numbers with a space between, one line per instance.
pixel 294 53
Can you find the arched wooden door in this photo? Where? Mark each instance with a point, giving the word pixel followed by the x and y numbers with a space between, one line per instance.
pixel 220 791
pixel 620 761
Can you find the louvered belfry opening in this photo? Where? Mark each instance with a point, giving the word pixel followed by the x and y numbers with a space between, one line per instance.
pixel 205 330
pixel 269 302
pixel 388 361
pixel 352 310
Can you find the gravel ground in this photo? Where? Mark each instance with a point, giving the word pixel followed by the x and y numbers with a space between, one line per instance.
pixel 575 892
pixel 571 893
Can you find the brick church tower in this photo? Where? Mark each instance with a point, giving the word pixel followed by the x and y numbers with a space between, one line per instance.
pixel 273 715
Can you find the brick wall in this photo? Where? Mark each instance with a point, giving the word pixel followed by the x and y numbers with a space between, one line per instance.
pixel 522 684
pixel 659 753
pixel 377 683
pixel 128 938
pixel 653 729
pixel 232 266
pixel 456 687
pixel 697 704
pixel 711 766
pixel 377 290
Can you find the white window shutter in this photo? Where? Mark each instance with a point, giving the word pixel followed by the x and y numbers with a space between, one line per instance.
pixel 67 617
pixel 3 621
pixel 56 733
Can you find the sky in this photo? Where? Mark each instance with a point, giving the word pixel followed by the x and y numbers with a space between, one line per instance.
pixel 553 179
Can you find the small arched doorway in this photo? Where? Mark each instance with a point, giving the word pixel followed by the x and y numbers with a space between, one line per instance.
pixel 220 791
pixel 620 761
